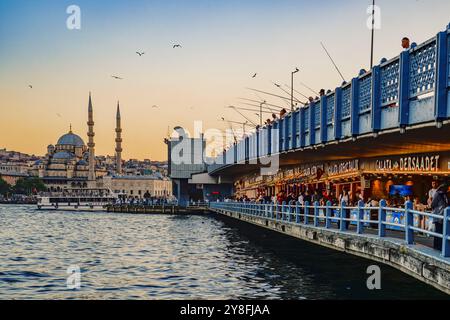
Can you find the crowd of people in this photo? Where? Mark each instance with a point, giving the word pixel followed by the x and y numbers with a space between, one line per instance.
pixel 436 203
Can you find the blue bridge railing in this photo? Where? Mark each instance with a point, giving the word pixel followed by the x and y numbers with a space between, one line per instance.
pixel 404 219
pixel 410 89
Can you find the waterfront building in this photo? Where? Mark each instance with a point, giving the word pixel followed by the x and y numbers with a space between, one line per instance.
pixel 138 186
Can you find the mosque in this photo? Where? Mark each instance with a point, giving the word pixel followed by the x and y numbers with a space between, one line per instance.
pixel 72 164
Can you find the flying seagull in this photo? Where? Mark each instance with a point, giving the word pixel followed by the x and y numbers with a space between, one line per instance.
pixel 254 76
pixel 140 53
pixel 117 78
pixel 177 46
pixel 59 115
pixel 155 106
pixel 30 86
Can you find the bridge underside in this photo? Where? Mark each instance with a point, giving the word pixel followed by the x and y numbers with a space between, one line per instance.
pixel 425 139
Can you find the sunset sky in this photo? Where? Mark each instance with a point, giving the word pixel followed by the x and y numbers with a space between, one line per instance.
pixel 223 44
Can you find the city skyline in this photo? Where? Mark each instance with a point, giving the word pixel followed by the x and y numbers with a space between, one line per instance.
pixel 221 49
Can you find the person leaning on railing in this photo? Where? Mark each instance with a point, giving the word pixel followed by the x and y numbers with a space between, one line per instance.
pixel 438 205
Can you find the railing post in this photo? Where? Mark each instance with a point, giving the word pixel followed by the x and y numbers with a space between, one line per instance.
pixel 382 219
pixel 277 206
pixel 272 207
pixel 360 217
pixel 328 215
pixel 305 213
pixel 297 213
pixel 343 224
pixel 409 222
pixel 289 212
pixel 283 211
pixel 316 214
pixel 446 234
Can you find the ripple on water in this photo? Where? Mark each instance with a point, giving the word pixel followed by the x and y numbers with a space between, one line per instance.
pixel 160 257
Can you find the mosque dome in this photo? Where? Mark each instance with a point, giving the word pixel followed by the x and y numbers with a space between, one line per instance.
pixel 71 139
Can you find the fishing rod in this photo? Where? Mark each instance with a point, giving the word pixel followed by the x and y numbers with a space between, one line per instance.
pixel 270 94
pixel 333 61
pixel 246 118
pixel 304 96
pixel 267 104
pixel 253 105
pixel 279 87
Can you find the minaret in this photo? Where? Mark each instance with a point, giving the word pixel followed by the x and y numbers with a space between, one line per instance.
pixel 118 142
pixel 91 143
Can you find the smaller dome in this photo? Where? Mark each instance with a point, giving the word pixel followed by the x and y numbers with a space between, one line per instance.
pixel 82 163
pixel 38 162
pixel 63 155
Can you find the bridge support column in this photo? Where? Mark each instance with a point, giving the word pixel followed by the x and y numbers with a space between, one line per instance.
pixel 323 119
pixel 376 99
pixel 404 89
pixel 338 114
pixel 355 107
pixel 440 89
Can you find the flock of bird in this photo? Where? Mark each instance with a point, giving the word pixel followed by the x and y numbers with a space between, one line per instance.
pixel 140 54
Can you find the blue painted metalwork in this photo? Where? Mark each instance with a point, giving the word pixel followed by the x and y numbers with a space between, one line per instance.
pixel 338 114
pixel 307 118
pixel 409 89
pixel 402 220
pixel 376 98
pixel 441 100
pixel 365 93
pixel 355 109
pixel 422 71
pixel 302 127
pixel 346 102
pixel 323 120
pixel 330 109
pixel 404 88
pixel 390 81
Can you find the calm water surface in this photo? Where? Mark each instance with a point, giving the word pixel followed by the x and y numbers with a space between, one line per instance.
pixel 173 257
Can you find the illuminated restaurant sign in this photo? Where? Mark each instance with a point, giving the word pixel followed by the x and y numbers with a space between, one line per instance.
pixel 409 164
pixel 343 167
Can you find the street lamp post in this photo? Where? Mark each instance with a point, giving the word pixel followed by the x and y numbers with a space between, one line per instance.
pixel 292 87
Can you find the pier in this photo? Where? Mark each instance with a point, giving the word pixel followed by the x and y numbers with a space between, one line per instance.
pixel 158 209
pixel 405 247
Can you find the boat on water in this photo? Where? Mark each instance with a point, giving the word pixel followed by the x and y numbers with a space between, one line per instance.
pixel 77 200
